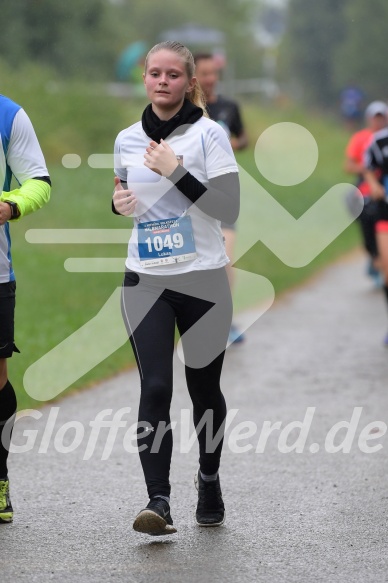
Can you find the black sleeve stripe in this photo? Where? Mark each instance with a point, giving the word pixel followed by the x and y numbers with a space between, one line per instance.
pixel 43 178
pixel 220 198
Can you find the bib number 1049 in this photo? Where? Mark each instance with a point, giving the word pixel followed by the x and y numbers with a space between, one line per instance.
pixel 168 241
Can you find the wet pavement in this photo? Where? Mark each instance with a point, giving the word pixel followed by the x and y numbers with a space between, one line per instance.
pixel 304 502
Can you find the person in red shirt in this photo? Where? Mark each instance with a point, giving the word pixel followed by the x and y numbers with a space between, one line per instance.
pixel 376 160
pixel 376 116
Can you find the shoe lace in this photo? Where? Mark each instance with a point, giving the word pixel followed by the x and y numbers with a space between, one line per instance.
pixel 3 493
pixel 210 495
pixel 157 503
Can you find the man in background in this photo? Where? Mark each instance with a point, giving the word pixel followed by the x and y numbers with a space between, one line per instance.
pixel 227 113
pixel 21 157
pixel 376 118
pixel 352 105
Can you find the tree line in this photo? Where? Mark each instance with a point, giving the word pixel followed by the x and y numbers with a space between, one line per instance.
pixel 85 38
pixel 328 44
pixel 332 44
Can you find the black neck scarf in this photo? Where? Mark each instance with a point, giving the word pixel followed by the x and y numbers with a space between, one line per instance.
pixel 157 129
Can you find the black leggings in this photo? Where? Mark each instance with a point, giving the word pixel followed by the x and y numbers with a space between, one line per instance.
pixel 367 221
pixel 151 306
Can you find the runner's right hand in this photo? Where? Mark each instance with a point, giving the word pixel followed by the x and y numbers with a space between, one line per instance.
pixel 124 201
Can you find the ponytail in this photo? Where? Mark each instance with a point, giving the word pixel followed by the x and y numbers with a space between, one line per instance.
pixel 196 96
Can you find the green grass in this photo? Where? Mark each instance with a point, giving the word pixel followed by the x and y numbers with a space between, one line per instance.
pixel 53 303
pixel 331 140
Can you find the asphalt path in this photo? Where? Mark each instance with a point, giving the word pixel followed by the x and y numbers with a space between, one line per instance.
pixel 316 514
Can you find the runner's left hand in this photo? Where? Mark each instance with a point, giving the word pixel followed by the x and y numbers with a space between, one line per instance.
pixel 160 158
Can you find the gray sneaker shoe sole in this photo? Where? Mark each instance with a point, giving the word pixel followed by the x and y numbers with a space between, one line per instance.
pixel 149 522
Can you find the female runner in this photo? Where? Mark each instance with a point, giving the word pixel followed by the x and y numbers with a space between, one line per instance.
pixel 177 176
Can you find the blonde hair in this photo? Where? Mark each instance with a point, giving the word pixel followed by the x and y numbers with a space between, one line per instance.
pixel 196 95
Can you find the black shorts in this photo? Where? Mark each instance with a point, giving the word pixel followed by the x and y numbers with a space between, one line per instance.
pixel 7 319
pixel 382 210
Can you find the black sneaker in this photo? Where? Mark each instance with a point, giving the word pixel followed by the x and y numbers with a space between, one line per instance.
pixel 210 507
pixel 6 510
pixel 155 519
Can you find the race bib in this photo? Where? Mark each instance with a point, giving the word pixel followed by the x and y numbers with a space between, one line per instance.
pixel 166 241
